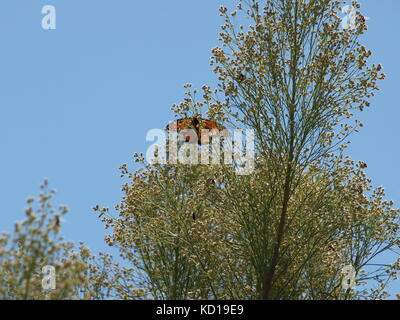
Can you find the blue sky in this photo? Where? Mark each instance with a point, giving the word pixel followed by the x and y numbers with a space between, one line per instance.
pixel 77 102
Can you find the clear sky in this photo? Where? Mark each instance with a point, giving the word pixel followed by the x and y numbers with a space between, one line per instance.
pixel 77 102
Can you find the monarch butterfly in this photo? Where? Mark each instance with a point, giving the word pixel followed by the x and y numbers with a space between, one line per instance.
pixel 195 123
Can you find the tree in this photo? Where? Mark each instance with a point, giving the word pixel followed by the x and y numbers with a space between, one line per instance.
pixel 302 78
pixel 295 77
pixel 36 244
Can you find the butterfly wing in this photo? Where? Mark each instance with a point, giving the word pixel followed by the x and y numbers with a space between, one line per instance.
pixel 182 124
pixel 193 123
pixel 209 125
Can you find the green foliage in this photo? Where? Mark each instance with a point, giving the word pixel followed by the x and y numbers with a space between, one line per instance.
pixel 201 232
pixel 36 242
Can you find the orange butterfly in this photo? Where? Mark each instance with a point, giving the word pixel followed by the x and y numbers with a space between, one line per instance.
pixel 195 123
